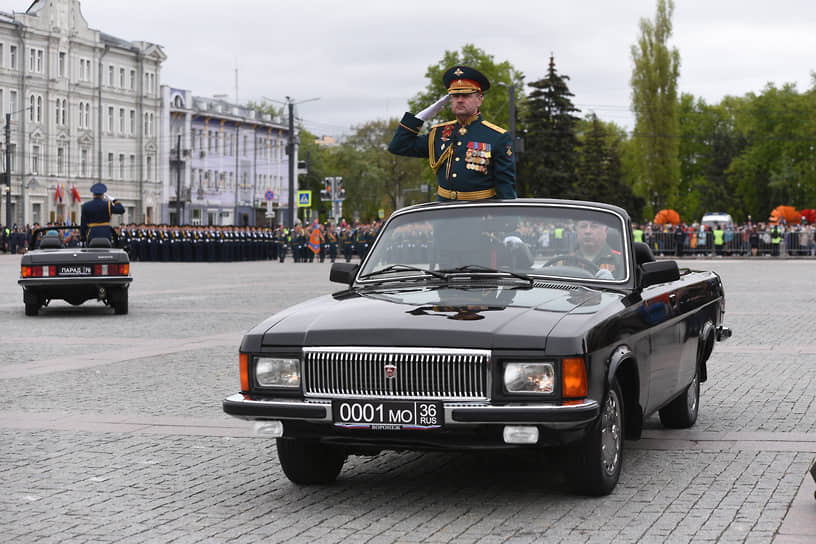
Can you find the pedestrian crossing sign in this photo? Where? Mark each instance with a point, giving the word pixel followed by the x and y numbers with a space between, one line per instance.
pixel 304 199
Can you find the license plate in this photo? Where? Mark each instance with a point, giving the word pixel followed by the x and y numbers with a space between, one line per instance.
pixel 75 270
pixel 387 415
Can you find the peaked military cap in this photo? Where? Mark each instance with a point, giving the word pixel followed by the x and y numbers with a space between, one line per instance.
pixel 465 80
pixel 99 188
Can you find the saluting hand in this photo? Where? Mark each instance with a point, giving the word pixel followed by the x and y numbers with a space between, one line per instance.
pixel 431 111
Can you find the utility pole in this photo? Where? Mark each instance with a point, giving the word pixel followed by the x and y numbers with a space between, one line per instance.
pixel 178 180
pixel 290 150
pixel 8 170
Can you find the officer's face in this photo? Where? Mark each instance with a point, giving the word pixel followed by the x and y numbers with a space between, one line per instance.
pixel 465 105
pixel 591 236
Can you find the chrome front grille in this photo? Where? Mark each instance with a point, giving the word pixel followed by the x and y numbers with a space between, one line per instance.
pixel 404 373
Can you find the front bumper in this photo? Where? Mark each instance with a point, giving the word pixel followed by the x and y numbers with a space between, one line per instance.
pixel 456 414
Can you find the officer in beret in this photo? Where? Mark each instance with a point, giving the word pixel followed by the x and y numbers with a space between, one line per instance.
pixel 472 158
pixel 96 214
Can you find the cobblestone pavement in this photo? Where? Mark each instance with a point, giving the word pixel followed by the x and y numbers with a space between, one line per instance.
pixel 111 430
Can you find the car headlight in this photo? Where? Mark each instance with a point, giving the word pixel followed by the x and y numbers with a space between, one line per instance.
pixel 277 372
pixel 529 377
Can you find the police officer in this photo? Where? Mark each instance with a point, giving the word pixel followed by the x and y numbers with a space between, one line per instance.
pixel 472 158
pixel 96 214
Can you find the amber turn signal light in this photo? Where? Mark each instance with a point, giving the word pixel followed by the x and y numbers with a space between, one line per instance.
pixel 574 382
pixel 243 363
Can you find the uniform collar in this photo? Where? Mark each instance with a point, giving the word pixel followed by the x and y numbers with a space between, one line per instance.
pixel 471 119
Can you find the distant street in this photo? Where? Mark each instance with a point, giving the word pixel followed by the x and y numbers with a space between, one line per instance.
pixel 111 430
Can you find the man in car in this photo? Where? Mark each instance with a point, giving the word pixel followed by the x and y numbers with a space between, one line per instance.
pixel 96 214
pixel 592 246
pixel 472 158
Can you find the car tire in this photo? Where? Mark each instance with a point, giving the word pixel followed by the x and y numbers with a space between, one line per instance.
pixel 307 462
pixel 594 463
pixel 32 308
pixel 681 413
pixel 119 301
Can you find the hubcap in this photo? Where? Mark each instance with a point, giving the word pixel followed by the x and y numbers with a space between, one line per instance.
pixel 611 433
pixel 693 395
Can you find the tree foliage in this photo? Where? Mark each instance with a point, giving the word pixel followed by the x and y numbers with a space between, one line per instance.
pixel 549 163
pixel 654 101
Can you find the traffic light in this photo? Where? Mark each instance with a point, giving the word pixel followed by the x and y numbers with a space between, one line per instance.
pixel 341 192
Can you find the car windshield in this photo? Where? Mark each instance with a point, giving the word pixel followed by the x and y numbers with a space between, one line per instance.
pixel 574 242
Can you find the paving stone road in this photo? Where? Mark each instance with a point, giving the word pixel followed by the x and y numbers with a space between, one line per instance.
pixel 111 430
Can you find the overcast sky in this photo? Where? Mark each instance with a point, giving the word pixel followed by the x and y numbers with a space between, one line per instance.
pixel 364 59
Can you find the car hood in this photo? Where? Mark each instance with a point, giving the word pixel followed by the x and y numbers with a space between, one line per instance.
pixel 465 317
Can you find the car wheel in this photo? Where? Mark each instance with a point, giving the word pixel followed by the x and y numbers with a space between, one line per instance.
pixel 681 413
pixel 32 308
pixel 308 461
pixel 595 462
pixel 119 301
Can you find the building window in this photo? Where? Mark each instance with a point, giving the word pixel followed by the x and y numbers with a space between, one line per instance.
pixel 39 109
pixel 60 161
pixel 110 75
pixel 121 120
pixel 35 159
pixel 121 78
pixel 132 122
pixel 149 167
pixel 32 103
pixel 13 57
pixel 110 165
pixel 2 58
pixel 84 69
pixel 121 166
pixel 61 63
pixel 133 80
pixel 110 119
pixel 132 166
pixel 83 163
pixel 12 102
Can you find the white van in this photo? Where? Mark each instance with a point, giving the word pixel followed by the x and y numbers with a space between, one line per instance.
pixel 711 219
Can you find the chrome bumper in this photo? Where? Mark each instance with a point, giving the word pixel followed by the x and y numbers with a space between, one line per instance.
pixel 550 416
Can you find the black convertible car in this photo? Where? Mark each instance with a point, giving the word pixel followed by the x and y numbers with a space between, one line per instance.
pixel 491 324
pixel 75 274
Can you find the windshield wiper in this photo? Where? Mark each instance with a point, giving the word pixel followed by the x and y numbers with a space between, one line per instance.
pixel 486 269
pixel 404 268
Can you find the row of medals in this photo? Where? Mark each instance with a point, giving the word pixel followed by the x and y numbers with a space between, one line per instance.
pixel 477 160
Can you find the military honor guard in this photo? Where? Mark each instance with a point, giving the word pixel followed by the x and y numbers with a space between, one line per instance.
pixel 472 158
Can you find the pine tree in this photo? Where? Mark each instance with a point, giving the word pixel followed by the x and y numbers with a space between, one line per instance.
pixel 549 162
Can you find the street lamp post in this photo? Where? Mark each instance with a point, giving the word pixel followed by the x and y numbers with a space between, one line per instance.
pixel 8 170
pixel 290 151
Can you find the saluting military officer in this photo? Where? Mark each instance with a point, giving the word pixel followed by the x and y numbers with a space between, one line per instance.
pixel 96 214
pixel 472 158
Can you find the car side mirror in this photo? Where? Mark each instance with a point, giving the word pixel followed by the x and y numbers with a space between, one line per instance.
pixel 659 272
pixel 343 273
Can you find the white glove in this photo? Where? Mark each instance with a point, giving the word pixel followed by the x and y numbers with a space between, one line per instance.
pixel 431 111
pixel 604 274
pixel 109 197
pixel 513 241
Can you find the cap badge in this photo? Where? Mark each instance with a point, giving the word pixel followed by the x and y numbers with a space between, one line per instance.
pixel 458 72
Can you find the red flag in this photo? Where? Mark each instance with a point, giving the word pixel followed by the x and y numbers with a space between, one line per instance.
pixel 58 194
pixel 75 194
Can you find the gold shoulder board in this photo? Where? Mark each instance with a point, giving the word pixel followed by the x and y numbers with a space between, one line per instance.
pixel 497 128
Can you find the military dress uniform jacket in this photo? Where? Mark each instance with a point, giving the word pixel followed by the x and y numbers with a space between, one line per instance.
pixel 471 161
pixel 96 216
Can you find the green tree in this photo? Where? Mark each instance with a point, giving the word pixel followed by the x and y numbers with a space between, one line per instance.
pixel 550 160
pixel 777 165
pixel 654 101
pixel 600 171
pixel 708 145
